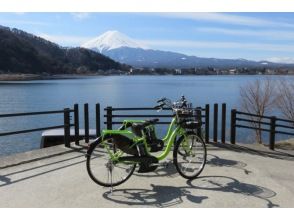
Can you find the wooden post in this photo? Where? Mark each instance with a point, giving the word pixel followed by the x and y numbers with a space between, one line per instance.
pixel 109 117
pixel 77 124
pixel 86 118
pixel 66 127
pixel 224 109
pixel 207 123
pixel 98 128
pixel 215 122
pixel 272 133
pixel 233 126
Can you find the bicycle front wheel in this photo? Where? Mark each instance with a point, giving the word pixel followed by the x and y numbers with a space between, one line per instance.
pixel 104 169
pixel 190 155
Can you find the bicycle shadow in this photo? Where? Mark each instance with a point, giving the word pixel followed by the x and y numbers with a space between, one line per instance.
pixel 159 196
pixel 216 161
pixel 231 185
pixel 167 196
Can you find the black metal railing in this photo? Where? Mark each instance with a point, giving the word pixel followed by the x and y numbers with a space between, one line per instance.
pixel 66 123
pixel 86 123
pixel 272 124
pixel 114 116
pixel 110 116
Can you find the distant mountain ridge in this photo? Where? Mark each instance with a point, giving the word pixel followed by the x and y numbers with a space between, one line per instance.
pixel 123 49
pixel 22 52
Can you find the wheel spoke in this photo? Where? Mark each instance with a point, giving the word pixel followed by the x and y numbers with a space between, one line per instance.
pixel 103 170
pixel 191 163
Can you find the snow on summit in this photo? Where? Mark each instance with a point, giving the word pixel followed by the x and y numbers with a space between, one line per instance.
pixel 110 40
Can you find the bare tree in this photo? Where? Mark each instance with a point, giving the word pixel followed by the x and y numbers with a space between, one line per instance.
pixel 285 99
pixel 258 97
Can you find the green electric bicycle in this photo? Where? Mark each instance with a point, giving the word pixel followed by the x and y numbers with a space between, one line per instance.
pixel 112 158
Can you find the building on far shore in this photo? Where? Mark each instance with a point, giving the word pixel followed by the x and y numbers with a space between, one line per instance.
pixel 178 71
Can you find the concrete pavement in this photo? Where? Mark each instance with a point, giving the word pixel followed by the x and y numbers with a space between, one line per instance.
pixel 57 177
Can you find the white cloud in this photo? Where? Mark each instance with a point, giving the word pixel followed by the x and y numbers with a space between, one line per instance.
pixel 288 60
pixel 266 34
pixel 80 15
pixel 65 40
pixel 229 19
pixel 184 44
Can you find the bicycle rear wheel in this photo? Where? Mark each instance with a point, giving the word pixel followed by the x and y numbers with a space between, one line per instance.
pixel 190 155
pixel 103 169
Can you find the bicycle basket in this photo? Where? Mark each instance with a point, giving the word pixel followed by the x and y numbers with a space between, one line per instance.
pixel 188 118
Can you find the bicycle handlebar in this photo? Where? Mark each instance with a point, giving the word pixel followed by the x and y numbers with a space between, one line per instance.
pixel 181 103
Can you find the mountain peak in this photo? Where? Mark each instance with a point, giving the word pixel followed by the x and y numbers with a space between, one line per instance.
pixel 111 40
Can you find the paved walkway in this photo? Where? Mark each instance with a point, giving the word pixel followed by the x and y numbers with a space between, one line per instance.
pixel 57 177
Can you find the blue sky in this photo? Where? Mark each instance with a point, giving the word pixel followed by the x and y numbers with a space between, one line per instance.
pixel 255 36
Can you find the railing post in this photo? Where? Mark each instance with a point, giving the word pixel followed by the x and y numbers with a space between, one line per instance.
pixel 199 118
pixel 233 126
pixel 224 109
pixel 272 133
pixel 98 128
pixel 207 123
pixel 109 117
pixel 215 122
pixel 66 127
pixel 86 118
pixel 77 124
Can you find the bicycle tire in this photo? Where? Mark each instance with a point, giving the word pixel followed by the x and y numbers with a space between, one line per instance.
pixel 90 171
pixel 177 153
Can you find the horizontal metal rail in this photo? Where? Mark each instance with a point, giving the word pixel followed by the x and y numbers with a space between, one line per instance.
pixel 32 130
pixel 283 132
pixel 261 129
pixel 144 108
pixel 137 116
pixel 120 122
pixel 32 113
pixel 162 122
pixel 135 109
pixel 253 121
pixel 249 114
pixel 285 120
pixel 284 126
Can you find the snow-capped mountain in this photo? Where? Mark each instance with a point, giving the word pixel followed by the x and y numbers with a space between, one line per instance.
pixel 123 49
pixel 111 40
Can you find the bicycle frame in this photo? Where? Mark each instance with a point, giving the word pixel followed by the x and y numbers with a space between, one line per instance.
pixel 173 131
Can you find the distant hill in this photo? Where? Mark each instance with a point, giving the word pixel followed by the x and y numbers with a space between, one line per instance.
pixel 21 52
pixel 123 49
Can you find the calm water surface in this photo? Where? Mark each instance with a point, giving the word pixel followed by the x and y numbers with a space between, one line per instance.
pixel 116 91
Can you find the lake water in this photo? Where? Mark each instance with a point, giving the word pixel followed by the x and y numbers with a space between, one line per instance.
pixel 116 91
